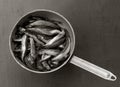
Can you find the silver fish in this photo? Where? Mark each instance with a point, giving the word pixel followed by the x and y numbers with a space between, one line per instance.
pixel 63 54
pixel 57 43
pixel 32 48
pixel 24 46
pixel 27 32
pixel 44 31
pixel 35 38
pixel 44 23
pixel 56 38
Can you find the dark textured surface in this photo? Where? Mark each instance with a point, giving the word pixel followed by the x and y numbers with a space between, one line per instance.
pixel 97 27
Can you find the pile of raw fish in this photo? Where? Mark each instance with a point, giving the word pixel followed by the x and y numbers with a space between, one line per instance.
pixel 41 44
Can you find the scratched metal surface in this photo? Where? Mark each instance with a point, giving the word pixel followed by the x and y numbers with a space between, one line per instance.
pixel 97 28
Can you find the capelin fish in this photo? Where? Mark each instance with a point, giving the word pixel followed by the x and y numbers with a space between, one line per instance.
pixel 32 48
pixel 52 52
pixel 56 38
pixel 33 19
pixel 58 42
pixel 64 52
pixel 44 23
pixel 27 32
pixel 35 38
pixel 43 31
pixel 24 46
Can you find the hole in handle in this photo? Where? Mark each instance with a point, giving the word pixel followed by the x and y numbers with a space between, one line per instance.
pixel 112 77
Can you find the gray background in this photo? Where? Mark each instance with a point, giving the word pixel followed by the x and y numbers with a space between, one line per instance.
pixel 97 27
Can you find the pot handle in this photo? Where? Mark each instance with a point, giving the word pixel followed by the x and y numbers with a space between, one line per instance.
pixel 103 73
